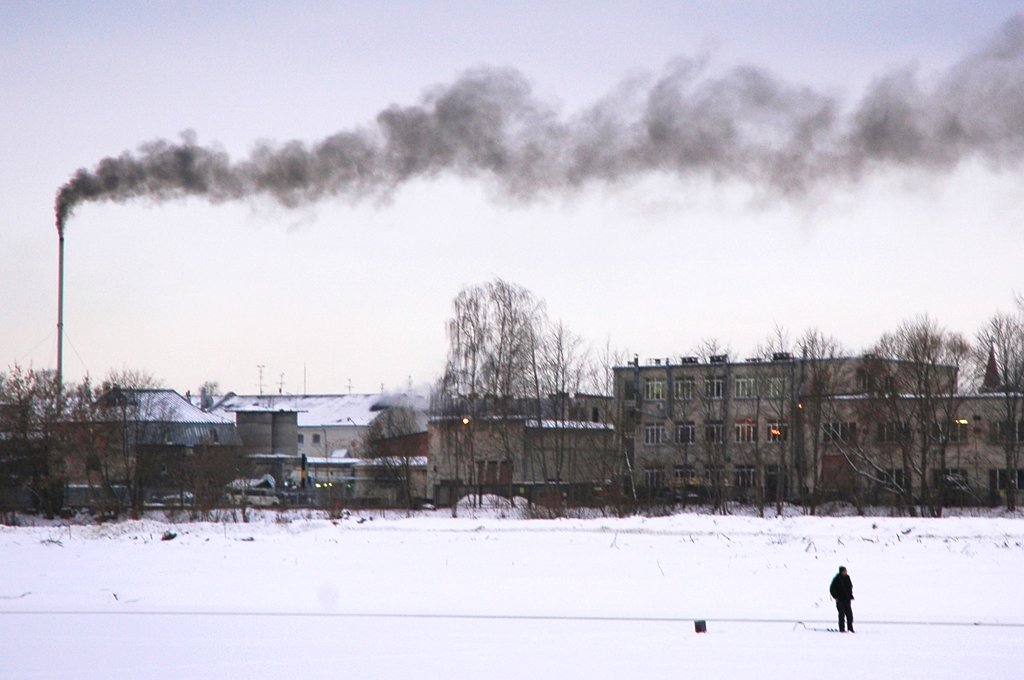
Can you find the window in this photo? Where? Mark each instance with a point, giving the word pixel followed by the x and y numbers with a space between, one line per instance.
pixel 683 389
pixel 494 472
pixel 316 439
pixel 839 432
pixel 745 476
pixel 654 478
pixel 654 389
pixel 714 475
pixel 869 382
pixel 714 387
pixel 684 474
pixel 951 433
pixel 1001 431
pixel 654 434
pixel 302 437
pixel 746 388
pixel 778 431
pixel 952 478
pixel 893 432
pixel 958 431
pixel 997 479
pixel 892 479
pixel 775 388
pixel 864 381
pixel 685 433
pixel 746 431
pixel 713 432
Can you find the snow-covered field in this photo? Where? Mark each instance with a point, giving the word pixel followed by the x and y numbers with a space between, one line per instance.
pixel 431 596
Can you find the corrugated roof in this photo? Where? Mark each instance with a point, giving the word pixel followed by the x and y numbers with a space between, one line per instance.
pixel 164 406
pixel 192 434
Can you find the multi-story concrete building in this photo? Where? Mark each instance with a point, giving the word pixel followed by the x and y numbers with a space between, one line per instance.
pixel 864 429
pixel 708 429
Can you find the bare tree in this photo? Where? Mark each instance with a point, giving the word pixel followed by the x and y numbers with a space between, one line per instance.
pixel 33 437
pixel 617 468
pixel 1000 354
pixel 761 404
pixel 819 384
pixel 388 442
pixel 714 405
pixel 491 375
pixel 776 403
pixel 203 473
pixel 514 382
pixel 911 386
pixel 561 372
pixel 457 397
pixel 121 419
pixel 207 391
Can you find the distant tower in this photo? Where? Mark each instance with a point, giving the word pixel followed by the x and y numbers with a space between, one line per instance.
pixel 992 381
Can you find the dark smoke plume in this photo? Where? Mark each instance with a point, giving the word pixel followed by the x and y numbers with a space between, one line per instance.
pixel 745 125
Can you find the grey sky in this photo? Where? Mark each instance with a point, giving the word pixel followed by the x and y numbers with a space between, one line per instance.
pixel 336 291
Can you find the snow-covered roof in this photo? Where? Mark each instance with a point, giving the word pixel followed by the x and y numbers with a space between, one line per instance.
pixel 394 461
pixel 551 424
pixel 165 406
pixel 264 482
pixel 320 410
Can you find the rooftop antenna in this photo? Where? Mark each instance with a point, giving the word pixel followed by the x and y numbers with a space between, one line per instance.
pixel 261 367
pixel 280 384
pixel 350 385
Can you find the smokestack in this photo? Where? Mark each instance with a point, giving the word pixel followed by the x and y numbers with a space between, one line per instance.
pixel 60 307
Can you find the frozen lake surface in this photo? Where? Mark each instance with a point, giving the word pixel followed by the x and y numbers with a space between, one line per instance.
pixel 431 596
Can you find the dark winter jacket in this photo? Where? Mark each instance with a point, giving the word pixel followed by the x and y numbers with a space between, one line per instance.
pixel 842 587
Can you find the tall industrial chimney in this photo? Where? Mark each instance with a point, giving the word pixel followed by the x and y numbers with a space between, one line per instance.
pixel 60 309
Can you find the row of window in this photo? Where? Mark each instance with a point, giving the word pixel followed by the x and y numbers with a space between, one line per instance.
pixel 683 389
pixel 895 432
pixel 956 432
pixel 316 438
pixel 743 476
pixel 744 431
pixel 953 478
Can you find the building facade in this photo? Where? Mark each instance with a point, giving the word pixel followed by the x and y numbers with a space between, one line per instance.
pixel 555 451
pixel 809 430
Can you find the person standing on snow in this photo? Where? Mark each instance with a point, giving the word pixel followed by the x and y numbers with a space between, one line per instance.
pixel 842 590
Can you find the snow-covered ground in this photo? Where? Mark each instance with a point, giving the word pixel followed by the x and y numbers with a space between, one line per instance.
pixel 431 596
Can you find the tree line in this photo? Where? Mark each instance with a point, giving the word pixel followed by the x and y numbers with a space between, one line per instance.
pixel 507 358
